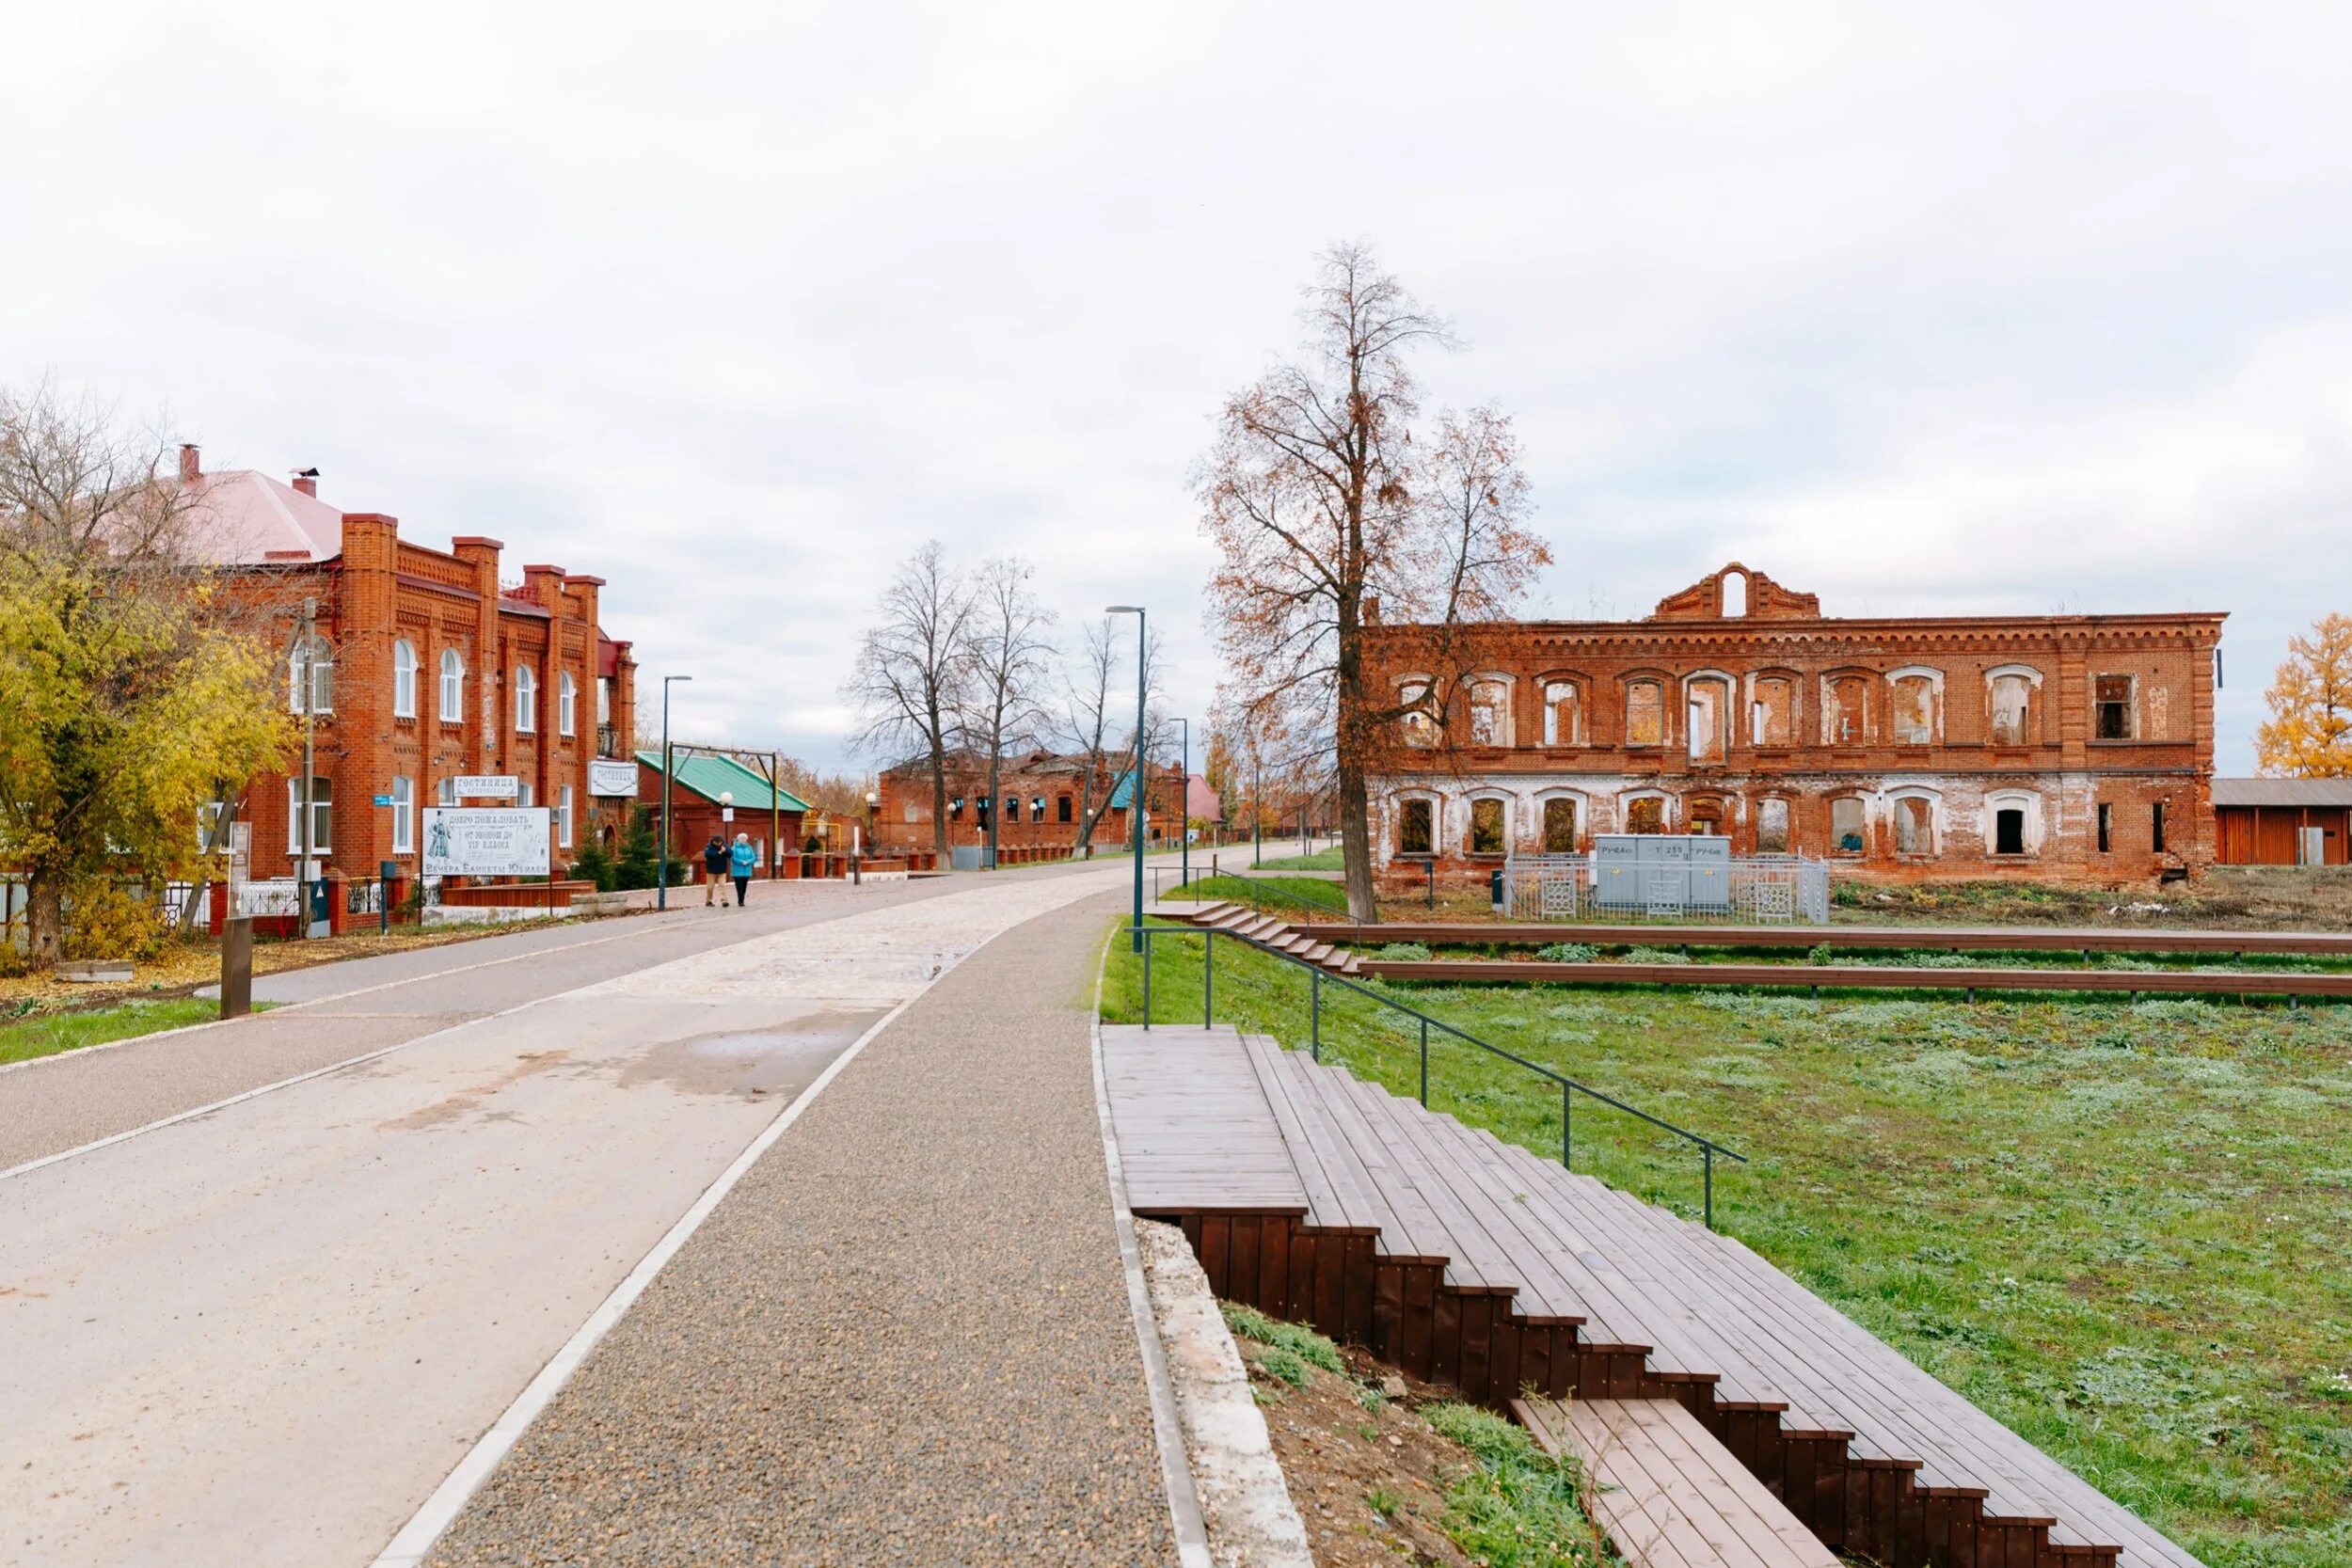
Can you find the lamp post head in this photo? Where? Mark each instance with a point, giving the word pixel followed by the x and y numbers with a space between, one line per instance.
pixel 1122 609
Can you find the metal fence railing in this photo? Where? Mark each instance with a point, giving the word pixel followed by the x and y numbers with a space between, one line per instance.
pixel 1756 890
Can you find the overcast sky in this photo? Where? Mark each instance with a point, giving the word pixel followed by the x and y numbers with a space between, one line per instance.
pixel 1943 309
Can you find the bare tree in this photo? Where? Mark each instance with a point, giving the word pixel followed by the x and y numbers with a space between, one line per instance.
pixel 1096 696
pixel 913 672
pixel 1009 652
pixel 1320 509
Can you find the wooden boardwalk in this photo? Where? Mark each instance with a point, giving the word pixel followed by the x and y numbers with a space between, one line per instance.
pixel 1473 1262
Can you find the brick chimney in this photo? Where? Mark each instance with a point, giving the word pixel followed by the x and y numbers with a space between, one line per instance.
pixel 191 463
pixel 306 481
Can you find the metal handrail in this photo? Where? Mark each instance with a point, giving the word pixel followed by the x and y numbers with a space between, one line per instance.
pixel 1268 890
pixel 1317 976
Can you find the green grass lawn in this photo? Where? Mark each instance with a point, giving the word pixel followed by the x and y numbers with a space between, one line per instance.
pixel 2125 1230
pixel 1294 897
pixel 47 1033
pixel 1330 859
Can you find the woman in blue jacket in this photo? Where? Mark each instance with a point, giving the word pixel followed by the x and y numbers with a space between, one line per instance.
pixel 740 860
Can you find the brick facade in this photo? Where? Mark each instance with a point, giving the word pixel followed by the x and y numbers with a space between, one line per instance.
pixel 1041 794
pixel 2070 747
pixel 385 724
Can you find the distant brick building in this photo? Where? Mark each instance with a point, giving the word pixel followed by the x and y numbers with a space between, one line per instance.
pixel 2052 746
pixel 428 666
pixel 1038 803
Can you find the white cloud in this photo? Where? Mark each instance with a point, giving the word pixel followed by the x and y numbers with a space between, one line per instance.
pixel 1995 306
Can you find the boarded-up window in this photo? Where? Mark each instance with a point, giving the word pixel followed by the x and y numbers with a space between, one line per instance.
pixel 1485 828
pixel 1771 826
pixel 1489 715
pixel 1560 827
pixel 1564 721
pixel 2013 697
pixel 1915 711
pixel 1413 833
pixel 1844 826
pixel 1645 715
pixel 1710 718
pixel 1774 712
pixel 2114 696
pixel 1848 712
pixel 1915 827
pixel 1645 815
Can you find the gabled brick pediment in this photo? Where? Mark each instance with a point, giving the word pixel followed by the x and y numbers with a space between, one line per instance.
pixel 1766 600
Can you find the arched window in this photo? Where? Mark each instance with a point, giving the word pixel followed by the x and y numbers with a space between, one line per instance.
pixel 2009 701
pixel 1708 699
pixel 1489 713
pixel 1771 826
pixel 404 678
pixel 1914 824
pixel 1489 826
pixel 2012 822
pixel 1734 592
pixel 310 676
pixel 453 705
pixel 1846 714
pixel 1848 830
pixel 1416 826
pixel 1917 703
pixel 1644 713
pixel 1560 825
pixel 1645 813
pixel 1418 725
pixel 526 699
pixel 566 703
pixel 1772 710
pixel 1564 714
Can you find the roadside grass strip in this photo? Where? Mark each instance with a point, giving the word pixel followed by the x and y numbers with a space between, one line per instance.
pixel 48 1034
pixel 2120 1229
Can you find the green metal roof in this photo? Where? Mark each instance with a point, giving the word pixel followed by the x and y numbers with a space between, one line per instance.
pixel 710 777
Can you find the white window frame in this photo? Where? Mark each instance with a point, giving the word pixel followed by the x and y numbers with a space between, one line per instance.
pixel 321 675
pixel 404 815
pixel 1552 692
pixel 526 700
pixel 321 844
pixel 445 792
pixel 404 678
pixel 563 817
pixel 566 705
pixel 452 699
pixel 1937 837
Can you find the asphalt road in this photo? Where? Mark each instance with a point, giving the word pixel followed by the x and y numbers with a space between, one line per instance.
pixel 265 1333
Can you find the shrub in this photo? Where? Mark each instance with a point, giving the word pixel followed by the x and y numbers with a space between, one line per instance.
pixel 1653 956
pixel 1518 1506
pixel 108 923
pixel 1821 955
pixel 595 866
pixel 1403 952
pixel 1302 1344
pixel 638 861
pixel 1569 953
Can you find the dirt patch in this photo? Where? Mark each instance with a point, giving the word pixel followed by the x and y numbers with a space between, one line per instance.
pixel 1370 1484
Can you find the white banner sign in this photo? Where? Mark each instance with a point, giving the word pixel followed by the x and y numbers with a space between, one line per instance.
pixel 486 787
pixel 610 780
pixel 485 841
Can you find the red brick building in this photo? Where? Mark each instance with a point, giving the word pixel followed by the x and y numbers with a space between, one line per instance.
pixel 1041 806
pixel 2056 746
pixel 428 665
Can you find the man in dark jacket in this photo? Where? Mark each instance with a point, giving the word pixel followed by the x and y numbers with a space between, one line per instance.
pixel 714 870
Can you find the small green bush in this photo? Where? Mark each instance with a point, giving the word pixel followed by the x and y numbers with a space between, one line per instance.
pixel 595 866
pixel 1403 952
pixel 1653 956
pixel 1520 1507
pixel 1569 953
pixel 108 923
pixel 1286 1365
pixel 1821 955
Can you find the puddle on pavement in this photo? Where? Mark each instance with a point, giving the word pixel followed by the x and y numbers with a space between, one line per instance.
pixel 751 1063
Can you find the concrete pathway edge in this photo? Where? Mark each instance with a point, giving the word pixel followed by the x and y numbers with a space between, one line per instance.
pixel 408 1547
pixel 1184 1496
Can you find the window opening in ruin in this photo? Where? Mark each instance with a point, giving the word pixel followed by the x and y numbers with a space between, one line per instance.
pixel 1915 827
pixel 2106 827
pixel 1487 714
pixel 2114 695
pixel 1563 724
pixel 1645 815
pixel 1848 712
pixel 1845 825
pixel 1418 725
pixel 1559 827
pixel 1062 807
pixel 1485 828
pixel 1735 594
pixel 2156 826
pixel 1645 715
pixel 1707 816
pixel 1413 833
pixel 1915 711
pixel 1771 826
pixel 2008 830
pixel 1772 713
pixel 1709 719
pixel 2010 696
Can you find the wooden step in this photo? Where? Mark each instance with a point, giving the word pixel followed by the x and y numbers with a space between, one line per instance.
pixel 1195 1132
pixel 1669 1495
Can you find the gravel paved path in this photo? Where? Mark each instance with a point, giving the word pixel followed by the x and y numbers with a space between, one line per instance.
pixel 904 1338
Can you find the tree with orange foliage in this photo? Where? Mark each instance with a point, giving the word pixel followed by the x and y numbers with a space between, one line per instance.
pixel 1326 515
pixel 2309 730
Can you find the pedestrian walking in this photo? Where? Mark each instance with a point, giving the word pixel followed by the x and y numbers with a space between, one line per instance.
pixel 740 860
pixel 715 860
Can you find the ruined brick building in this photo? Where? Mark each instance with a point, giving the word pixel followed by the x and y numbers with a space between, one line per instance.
pixel 2042 746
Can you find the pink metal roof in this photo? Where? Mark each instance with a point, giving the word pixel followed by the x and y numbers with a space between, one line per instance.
pixel 246 518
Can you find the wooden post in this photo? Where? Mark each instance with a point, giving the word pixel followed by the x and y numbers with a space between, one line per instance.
pixel 236 966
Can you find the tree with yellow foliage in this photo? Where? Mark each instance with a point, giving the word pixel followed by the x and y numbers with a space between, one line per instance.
pixel 2309 730
pixel 133 686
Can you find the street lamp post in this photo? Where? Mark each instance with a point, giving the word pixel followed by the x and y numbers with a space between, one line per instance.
pixel 1142 691
pixel 1183 809
pixel 662 880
